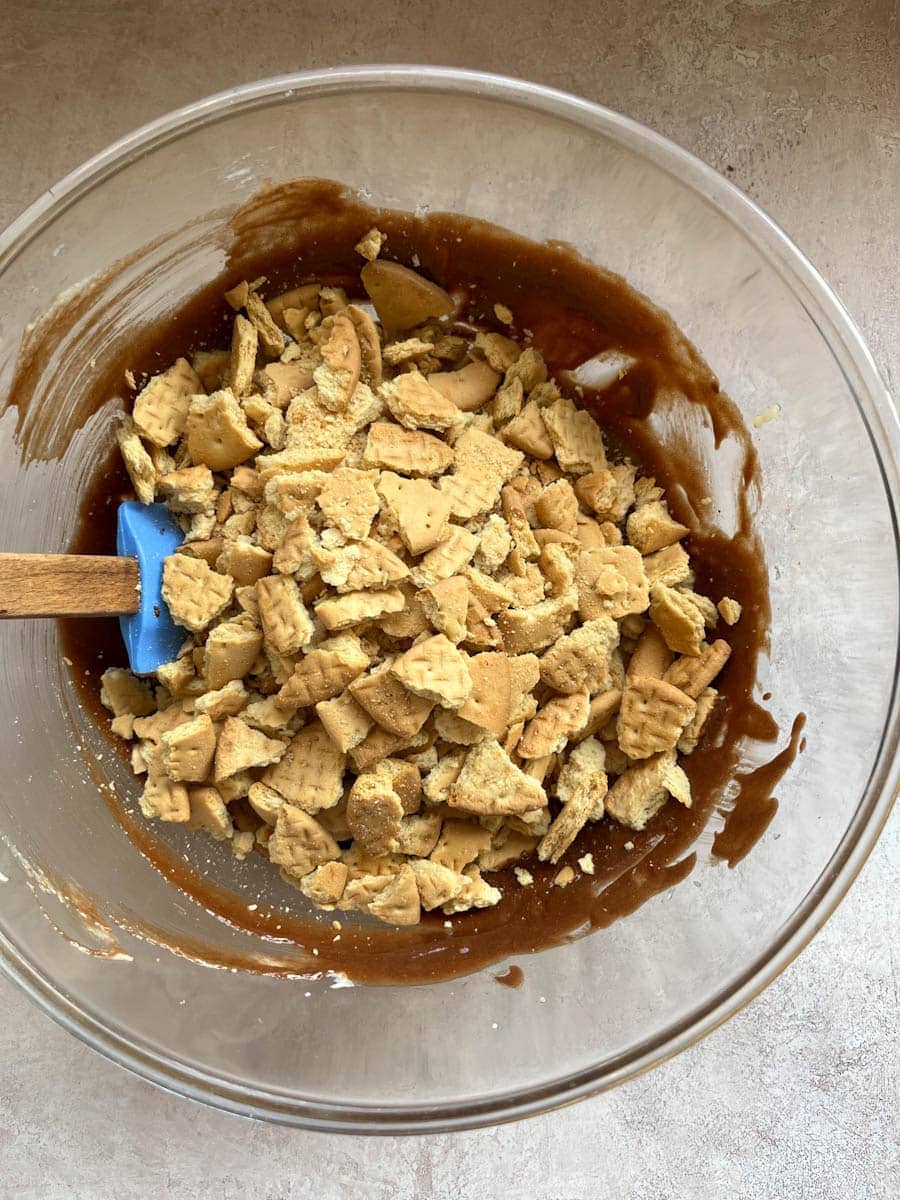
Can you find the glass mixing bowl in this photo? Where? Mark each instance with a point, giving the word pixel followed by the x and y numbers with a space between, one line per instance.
pixel 605 1007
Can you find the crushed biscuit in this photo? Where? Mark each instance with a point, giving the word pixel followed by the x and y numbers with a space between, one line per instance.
pixel 218 435
pixel 138 462
pixel 490 783
pixel 420 602
pixel 447 558
pixel 535 626
pixel 482 466
pixel 369 245
pixel 287 626
pixel 349 501
pixel 652 716
pixel 651 528
pixel 161 407
pixel 374 813
pixel 240 747
pixel 310 772
pixel 641 791
pixel 188 490
pixel 124 694
pixel 210 813
pixel 692 674
pixel 445 604
pixel 581 659
pixel 693 730
pixel 188 750
pixel 361 565
pixel 300 843
pixel 406 451
pixel 416 509
pixel 553 725
pixel 391 705
pixel 230 652
pixel 435 670
pixel 403 298
pixel 195 594
pixel 323 672
pixel 469 388
pixel 576 437
pixel 346 722
pixel 398 902
pixel 358 608
pixel 729 610
pixel 678 619
pixel 608 492
pixel 488 704
pixel 415 404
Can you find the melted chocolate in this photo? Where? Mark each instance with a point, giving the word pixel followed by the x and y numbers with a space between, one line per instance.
pixel 570 310
pixel 512 977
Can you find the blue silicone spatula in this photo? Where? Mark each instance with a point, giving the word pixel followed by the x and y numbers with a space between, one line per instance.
pixel 127 585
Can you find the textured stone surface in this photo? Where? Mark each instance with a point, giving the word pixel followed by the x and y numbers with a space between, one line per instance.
pixel 798 103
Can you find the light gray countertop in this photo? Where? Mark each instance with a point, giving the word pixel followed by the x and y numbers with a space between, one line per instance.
pixel 799 103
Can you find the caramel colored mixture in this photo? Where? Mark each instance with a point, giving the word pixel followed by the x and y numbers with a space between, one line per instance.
pixel 694 595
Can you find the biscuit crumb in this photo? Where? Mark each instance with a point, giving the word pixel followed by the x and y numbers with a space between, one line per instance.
pixel 564 877
pixel 767 415
pixel 369 245
pixel 729 610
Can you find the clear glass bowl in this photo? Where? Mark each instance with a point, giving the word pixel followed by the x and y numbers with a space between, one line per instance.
pixel 607 1006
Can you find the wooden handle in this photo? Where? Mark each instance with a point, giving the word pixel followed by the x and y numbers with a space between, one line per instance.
pixel 67 585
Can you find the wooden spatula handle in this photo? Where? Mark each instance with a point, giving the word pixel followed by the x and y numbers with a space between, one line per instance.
pixel 67 585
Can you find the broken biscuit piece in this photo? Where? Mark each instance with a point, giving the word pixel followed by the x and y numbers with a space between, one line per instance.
pixel 337 377
pixel 482 466
pixel 323 672
pixel 358 608
pixel 349 502
pixel 416 509
pixel 161 407
pixel 287 626
pixel 406 451
pixel 436 670
pixel 446 604
pixel 469 388
pixel 392 706
pixel 138 462
pixel 651 528
pixel 581 659
pixel 488 703
pixel 299 843
pixel 403 298
pixel 241 748
pixel 415 404
pixel 490 784
pixel 678 619
pixel 310 772
pixel 576 437
pixel 652 716
pixel 194 594
pixel 218 435
pixel 641 791
pixel 553 725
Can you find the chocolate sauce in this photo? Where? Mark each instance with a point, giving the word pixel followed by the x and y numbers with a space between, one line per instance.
pixel 570 310
pixel 512 977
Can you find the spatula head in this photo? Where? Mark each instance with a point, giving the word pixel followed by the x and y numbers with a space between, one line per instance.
pixel 149 533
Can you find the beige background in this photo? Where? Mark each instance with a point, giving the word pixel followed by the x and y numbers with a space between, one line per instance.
pixel 798 103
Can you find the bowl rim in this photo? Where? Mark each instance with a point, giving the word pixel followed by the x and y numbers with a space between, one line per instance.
pixel 880 418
